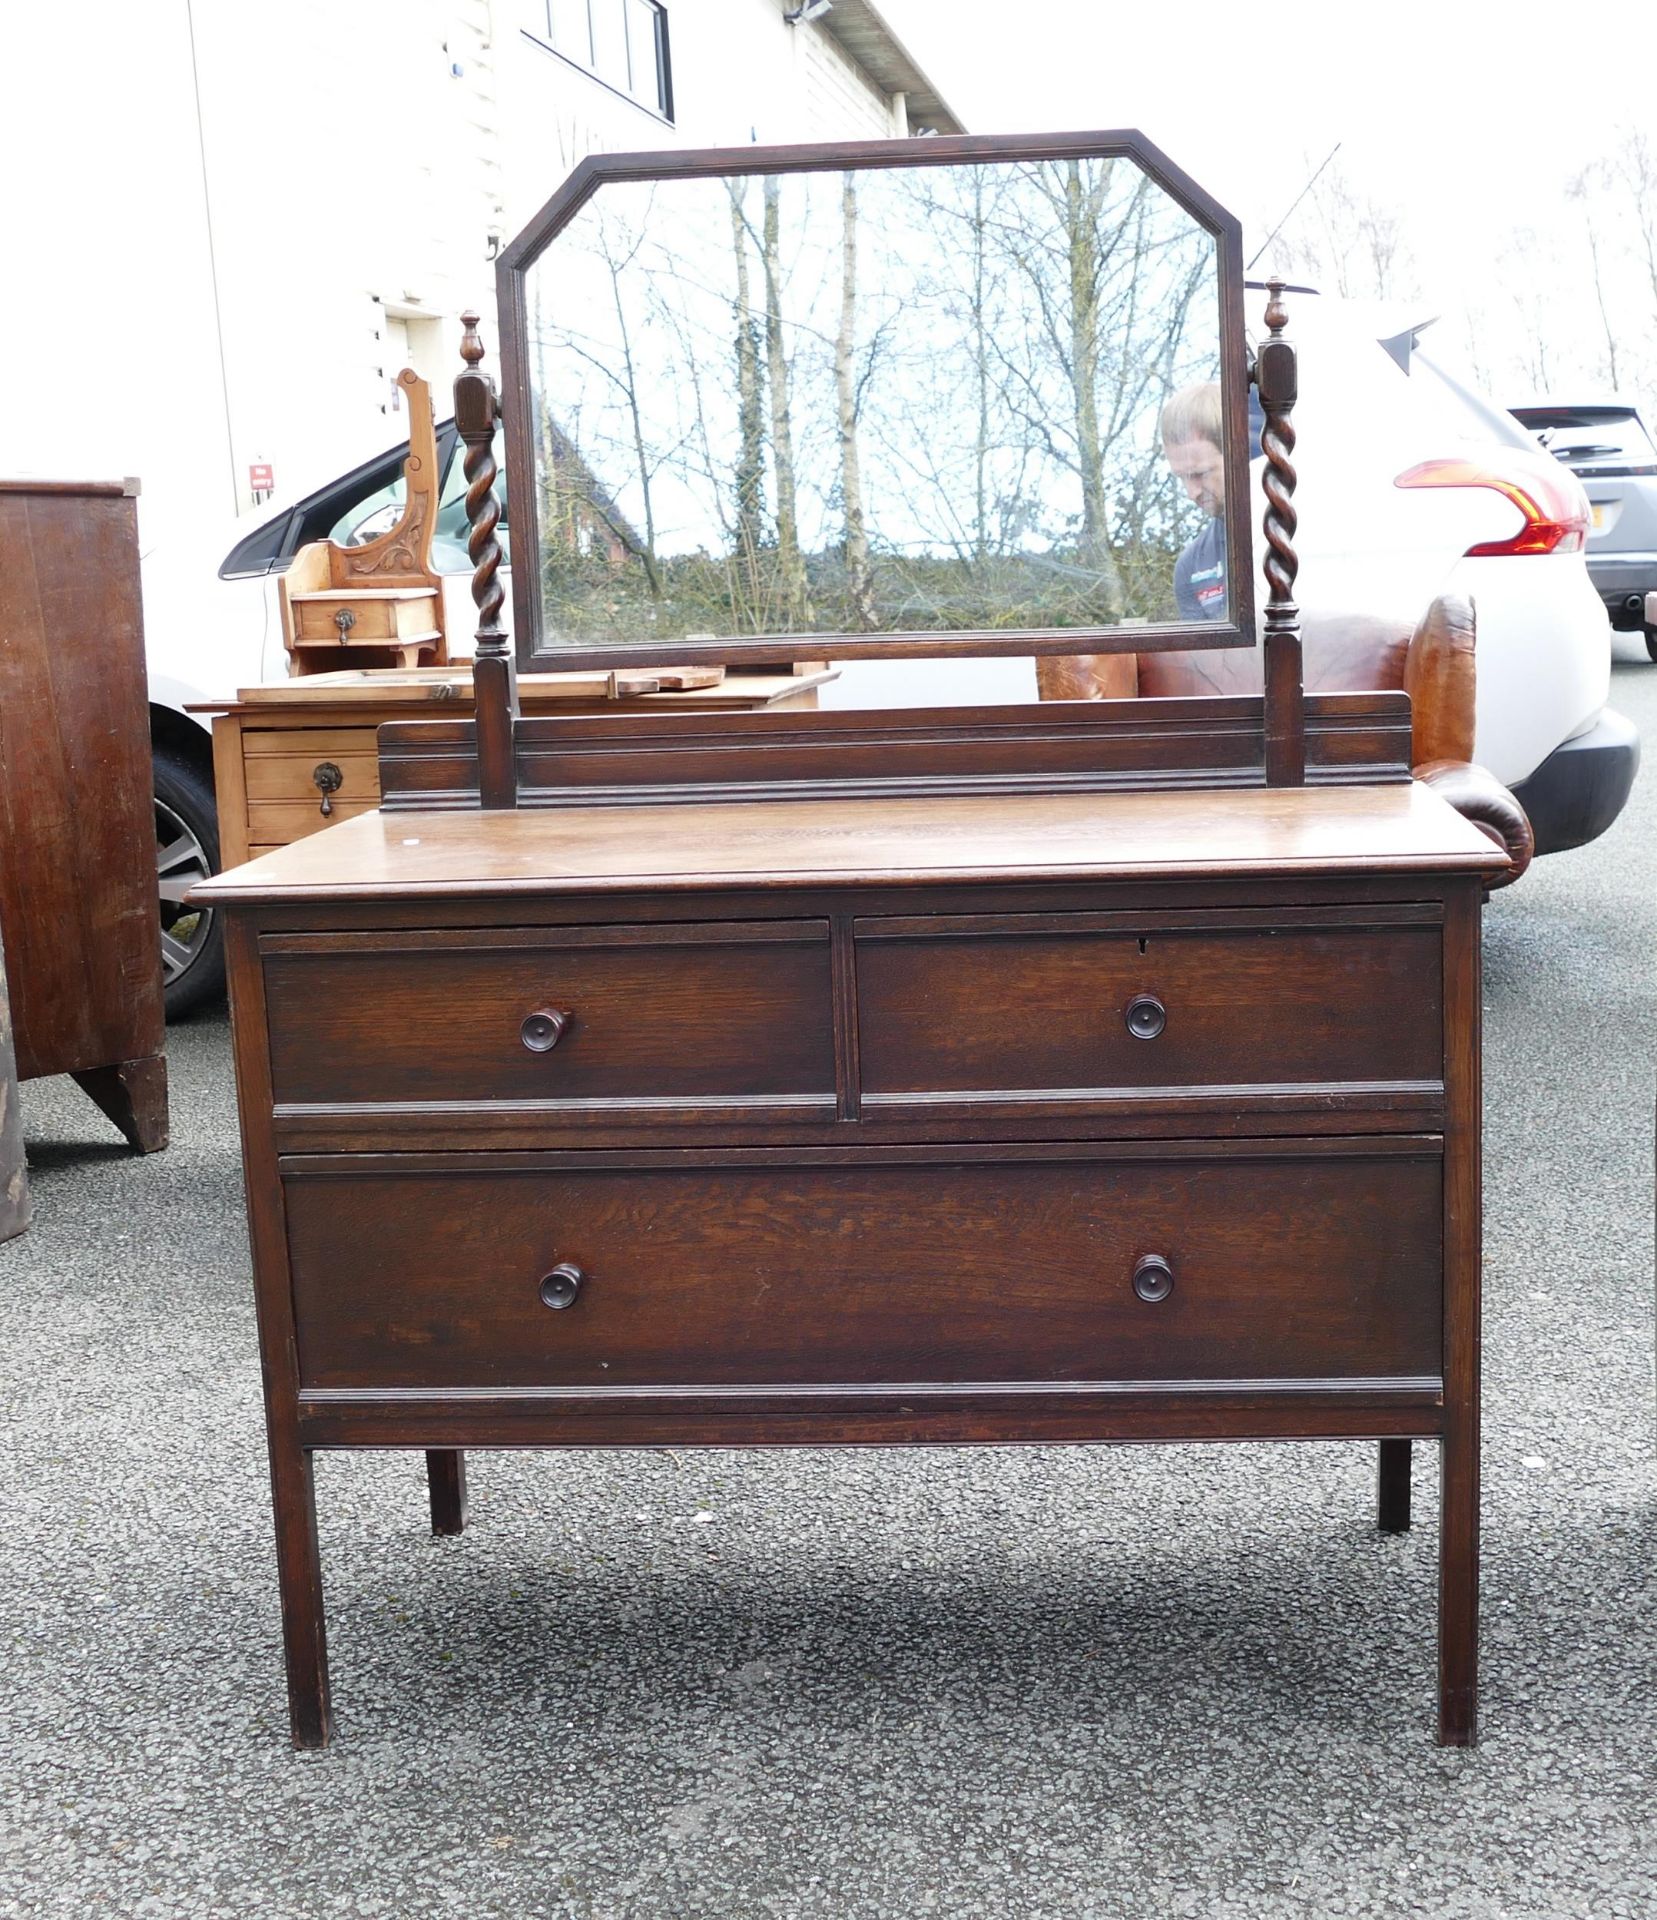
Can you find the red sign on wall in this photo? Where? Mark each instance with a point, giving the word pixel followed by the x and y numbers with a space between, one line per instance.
pixel 261 477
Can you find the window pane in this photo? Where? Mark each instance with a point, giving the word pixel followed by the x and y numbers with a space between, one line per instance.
pixel 609 42
pixel 644 52
pixel 570 32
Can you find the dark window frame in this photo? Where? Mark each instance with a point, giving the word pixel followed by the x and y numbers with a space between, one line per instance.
pixel 663 109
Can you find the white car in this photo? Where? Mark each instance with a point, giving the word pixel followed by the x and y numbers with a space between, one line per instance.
pixel 212 625
pixel 1410 484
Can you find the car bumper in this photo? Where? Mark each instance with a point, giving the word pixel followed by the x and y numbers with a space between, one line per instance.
pixel 1583 785
pixel 1625 582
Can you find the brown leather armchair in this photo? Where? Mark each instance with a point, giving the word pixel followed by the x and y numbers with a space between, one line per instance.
pixel 1343 653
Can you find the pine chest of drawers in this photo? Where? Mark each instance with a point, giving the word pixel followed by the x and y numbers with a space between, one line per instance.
pixel 1042 1118
pixel 294 756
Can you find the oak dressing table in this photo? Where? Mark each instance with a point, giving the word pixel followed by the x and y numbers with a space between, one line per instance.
pixel 1083 1071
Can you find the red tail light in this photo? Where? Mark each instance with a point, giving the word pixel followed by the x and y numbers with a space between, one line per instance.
pixel 1554 505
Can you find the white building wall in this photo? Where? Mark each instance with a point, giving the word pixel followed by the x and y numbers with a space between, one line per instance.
pixel 190 288
pixel 838 94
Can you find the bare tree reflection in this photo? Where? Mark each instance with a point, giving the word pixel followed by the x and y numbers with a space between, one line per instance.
pixel 898 400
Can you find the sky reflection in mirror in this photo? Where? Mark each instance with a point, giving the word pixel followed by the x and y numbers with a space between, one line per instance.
pixel 895 400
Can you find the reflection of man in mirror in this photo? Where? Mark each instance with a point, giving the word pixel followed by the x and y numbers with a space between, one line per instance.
pixel 1191 437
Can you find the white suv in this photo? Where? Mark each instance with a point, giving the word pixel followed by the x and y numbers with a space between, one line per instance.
pixel 1413 484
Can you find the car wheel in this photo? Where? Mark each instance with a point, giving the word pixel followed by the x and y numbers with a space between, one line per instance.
pixel 186 850
pixel 1651 641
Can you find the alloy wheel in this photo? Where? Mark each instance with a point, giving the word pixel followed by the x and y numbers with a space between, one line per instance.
pixel 180 861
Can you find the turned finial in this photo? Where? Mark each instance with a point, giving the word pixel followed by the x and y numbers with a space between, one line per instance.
pixel 471 342
pixel 1277 315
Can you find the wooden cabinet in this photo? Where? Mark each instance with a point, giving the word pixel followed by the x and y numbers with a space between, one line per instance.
pixel 1107 1070
pixel 555 1137
pixel 77 823
pixel 298 755
pixel 14 1179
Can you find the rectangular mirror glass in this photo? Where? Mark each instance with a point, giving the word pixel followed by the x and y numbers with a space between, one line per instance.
pixel 968 407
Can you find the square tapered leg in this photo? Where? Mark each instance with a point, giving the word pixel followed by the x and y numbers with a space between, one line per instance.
pixel 446 1478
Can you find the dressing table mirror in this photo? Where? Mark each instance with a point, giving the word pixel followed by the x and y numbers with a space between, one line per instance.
pixel 1099 1069
pixel 882 403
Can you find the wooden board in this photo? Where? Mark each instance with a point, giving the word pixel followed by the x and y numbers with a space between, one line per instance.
pixel 418 686
pixel 1308 830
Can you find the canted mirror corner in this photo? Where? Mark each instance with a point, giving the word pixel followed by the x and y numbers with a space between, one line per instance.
pixel 938 396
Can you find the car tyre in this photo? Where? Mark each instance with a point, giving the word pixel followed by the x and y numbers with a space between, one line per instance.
pixel 186 850
pixel 1651 642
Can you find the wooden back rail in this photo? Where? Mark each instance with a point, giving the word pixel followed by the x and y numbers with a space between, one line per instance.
pixel 1084 746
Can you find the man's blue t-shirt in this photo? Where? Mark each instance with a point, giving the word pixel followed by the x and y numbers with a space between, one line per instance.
pixel 1199 575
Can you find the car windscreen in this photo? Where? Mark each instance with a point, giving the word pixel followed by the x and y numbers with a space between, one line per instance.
pixel 271 546
pixel 1477 416
pixel 1596 441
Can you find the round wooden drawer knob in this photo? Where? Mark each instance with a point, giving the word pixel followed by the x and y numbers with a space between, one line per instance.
pixel 1146 1016
pixel 1153 1278
pixel 561 1287
pixel 542 1030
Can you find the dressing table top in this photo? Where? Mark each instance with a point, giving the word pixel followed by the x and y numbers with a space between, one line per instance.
pixel 977 838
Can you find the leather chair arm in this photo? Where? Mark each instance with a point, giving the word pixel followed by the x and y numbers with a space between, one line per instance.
pixel 1439 677
pixel 1087 676
pixel 1480 797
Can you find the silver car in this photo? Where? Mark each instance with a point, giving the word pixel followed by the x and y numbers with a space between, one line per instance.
pixel 1608 449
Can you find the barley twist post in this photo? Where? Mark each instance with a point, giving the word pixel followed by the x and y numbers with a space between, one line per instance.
pixel 494 669
pixel 1276 377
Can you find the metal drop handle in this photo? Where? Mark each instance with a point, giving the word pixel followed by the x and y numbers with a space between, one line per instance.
pixel 327 779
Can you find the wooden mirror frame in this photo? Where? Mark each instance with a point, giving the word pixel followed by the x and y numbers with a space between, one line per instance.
pixel 594 172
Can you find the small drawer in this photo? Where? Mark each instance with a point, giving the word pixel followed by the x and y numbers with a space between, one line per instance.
pixel 304 777
pixel 278 823
pixel 1169 1268
pixel 357 617
pixel 1068 1004
pixel 733 1014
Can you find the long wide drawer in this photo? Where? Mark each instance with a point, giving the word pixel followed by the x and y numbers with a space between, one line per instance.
pixel 732 1012
pixel 1074 1266
pixel 1046 1003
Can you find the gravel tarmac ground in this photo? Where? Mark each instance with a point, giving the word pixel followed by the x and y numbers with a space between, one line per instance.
pixel 1044 1684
